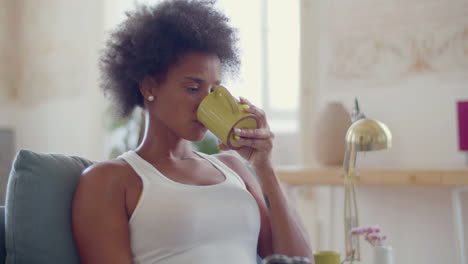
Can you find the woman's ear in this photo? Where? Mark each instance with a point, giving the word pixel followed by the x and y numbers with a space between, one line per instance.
pixel 147 87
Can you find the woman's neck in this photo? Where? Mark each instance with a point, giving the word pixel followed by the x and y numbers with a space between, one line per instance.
pixel 159 143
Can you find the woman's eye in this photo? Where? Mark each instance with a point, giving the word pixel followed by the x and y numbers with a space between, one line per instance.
pixel 192 89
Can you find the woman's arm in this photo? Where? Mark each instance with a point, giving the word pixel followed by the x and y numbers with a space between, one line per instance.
pixel 100 223
pixel 281 229
pixel 288 235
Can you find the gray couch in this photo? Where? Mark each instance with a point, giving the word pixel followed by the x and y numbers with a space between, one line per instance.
pixel 37 215
pixel 2 235
pixel 38 209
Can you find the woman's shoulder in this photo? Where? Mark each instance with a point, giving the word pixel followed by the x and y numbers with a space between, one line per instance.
pixel 109 171
pixel 229 159
pixel 236 164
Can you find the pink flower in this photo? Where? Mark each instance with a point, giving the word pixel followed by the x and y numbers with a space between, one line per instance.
pixel 371 234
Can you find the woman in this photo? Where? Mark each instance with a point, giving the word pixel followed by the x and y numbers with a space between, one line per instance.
pixel 163 202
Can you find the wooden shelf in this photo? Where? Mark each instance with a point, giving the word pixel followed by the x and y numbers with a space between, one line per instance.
pixel 334 175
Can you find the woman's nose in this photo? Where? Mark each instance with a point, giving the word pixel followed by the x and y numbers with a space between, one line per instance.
pixel 206 93
pixel 200 100
pixel 203 95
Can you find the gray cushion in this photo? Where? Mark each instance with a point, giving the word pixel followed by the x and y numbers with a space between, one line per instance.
pixel 38 208
pixel 2 235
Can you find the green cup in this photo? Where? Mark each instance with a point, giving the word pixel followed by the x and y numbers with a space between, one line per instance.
pixel 221 113
pixel 327 257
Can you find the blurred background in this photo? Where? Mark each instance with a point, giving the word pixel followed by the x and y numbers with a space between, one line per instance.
pixel 304 62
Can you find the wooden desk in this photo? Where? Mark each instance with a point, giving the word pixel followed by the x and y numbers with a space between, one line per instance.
pixel 334 175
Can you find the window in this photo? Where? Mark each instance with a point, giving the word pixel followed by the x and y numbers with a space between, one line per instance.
pixel 269 44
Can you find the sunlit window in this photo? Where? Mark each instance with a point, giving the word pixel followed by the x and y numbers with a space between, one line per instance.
pixel 269 44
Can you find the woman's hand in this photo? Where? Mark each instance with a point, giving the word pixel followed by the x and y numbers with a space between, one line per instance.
pixel 257 143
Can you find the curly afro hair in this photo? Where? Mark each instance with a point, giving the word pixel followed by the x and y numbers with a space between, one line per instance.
pixel 153 38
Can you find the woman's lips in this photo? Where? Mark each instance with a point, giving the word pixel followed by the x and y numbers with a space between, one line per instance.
pixel 199 123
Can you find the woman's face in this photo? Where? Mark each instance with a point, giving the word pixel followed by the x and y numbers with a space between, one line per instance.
pixel 177 98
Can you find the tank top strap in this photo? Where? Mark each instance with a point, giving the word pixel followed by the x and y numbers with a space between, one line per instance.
pixel 139 165
pixel 228 172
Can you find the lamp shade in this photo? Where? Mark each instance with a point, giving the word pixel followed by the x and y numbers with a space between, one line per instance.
pixel 463 125
pixel 368 135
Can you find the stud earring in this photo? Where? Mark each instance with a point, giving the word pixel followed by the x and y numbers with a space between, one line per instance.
pixel 151 98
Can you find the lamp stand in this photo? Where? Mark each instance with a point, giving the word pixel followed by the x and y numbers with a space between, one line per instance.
pixel 363 135
pixel 352 247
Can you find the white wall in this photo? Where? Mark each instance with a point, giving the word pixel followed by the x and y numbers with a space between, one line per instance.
pixel 407 64
pixel 56 105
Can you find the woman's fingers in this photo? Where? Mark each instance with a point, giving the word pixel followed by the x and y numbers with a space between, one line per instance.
pixel 259 140
pixel 243 100
pixel 252 108
pixel 259 113
pixel 260 133
pixel 258 144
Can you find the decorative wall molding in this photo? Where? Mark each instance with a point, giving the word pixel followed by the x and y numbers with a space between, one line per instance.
pixel 393 40
pixel 399 55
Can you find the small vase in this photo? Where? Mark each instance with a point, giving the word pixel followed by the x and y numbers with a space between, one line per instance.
pixel 331 126
pixel 383 255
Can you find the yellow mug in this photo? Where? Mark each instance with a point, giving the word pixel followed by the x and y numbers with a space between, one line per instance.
pixel 221 113
pixel 327 257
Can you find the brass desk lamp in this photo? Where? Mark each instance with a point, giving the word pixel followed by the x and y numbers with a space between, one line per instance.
pixel 363 135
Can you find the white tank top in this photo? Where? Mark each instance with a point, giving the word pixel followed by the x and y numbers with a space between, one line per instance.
pixel 179 223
